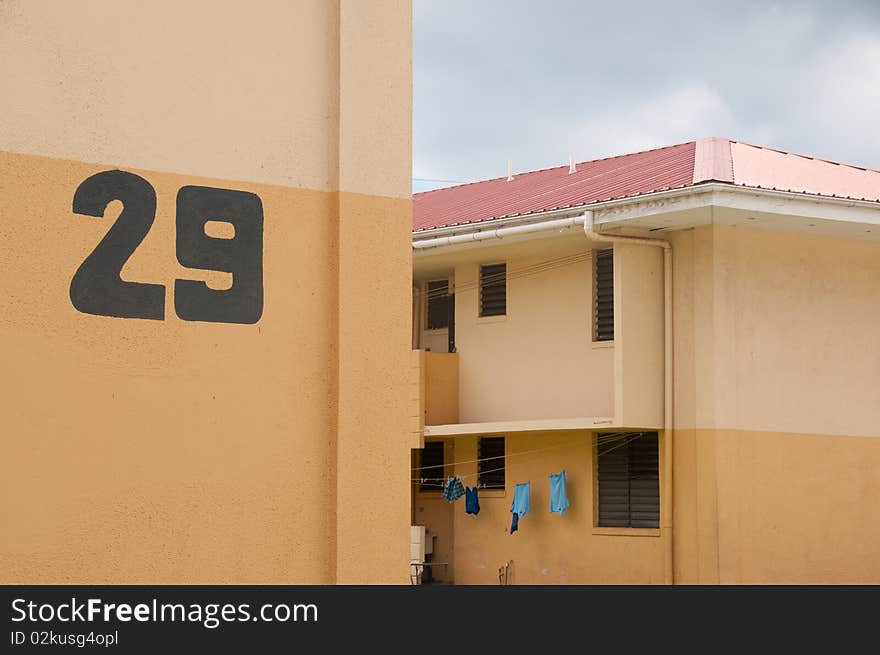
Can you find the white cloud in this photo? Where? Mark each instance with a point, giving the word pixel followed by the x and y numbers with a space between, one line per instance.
pixel 695 110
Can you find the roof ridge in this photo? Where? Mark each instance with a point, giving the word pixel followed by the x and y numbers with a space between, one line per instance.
pixel 798 154
pixel 550 168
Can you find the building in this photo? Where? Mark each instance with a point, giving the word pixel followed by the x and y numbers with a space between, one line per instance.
pixel 190 401
pixel 690 333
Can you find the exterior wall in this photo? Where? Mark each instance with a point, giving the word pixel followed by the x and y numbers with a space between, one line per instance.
pixel 441 381
pixel 173 451
pixel 538 361
pixel 777 407
pixel 638 336
pixel 437 514
pixel 548 548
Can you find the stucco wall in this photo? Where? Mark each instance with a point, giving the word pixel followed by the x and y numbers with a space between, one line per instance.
pixel 538 361
pixel 547 548
pixel 777 405
pixel 177 451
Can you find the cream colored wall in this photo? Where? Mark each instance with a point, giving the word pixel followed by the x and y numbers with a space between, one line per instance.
pixel 538 361
pixel 638 336
pixel 141 451
pixel 547 548
pixel 777 407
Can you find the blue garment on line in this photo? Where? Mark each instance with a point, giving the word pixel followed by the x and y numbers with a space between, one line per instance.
pixel 453 489
pixel 558 498
pixel 471 501
pixel 520 506
pixel 521 499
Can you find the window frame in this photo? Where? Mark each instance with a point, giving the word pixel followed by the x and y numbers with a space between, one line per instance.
pixel 629 529
pixel 594 305
pixel 480 313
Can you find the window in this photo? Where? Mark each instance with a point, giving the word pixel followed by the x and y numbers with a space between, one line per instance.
pixel 490 467
pixel 493 290
pixel 438 304
pixel 603 296
pixel 628 474
pixel 432 474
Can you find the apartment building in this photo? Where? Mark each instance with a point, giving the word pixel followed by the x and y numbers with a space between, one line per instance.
pixel 690 333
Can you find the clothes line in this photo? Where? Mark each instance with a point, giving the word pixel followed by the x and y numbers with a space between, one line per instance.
pixel 601 440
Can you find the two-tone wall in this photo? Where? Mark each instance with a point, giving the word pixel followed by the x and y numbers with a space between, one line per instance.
pixel 777 407
pixel 171 432
pixel 548 548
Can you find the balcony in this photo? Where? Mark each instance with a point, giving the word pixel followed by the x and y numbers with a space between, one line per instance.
pixel 437 388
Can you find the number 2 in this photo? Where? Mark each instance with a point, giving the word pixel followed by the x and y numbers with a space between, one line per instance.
pixel 96 287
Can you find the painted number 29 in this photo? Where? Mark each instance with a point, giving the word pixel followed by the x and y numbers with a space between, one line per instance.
pixel 97 288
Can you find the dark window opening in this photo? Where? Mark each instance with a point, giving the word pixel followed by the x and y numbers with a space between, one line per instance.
pixel 493 290
pixel 629 480
pixel 603 305
pixel 432 467
pixel 490 467
pixel 438 304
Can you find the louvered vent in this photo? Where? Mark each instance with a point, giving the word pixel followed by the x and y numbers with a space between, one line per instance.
pixel 493 290
pixel 603 310
pixel 629 481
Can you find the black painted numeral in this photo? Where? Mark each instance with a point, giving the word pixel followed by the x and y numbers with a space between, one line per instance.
pixel 242 255
pixel 96 287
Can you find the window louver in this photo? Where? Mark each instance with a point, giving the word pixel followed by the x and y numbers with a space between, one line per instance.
pixel 490 468
pixel 603 311
pixel 493 290
pixel 629 482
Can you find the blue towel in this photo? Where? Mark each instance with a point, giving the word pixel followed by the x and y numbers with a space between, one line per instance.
pixel 520 504
pixel 471 501
pixel 453 489
pixel 558 498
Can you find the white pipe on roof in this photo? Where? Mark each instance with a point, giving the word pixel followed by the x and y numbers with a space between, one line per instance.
pixel 500 232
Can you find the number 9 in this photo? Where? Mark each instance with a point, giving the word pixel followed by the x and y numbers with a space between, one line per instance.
pixel 242 255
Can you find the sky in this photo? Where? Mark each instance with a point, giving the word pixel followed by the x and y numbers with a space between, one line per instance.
pixel 536 81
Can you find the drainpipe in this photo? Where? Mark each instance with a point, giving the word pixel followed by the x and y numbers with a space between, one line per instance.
pixel 666 509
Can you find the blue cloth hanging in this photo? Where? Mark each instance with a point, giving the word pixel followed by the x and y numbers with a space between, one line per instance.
pixel 520 506
pixel 453 489
pixel 471 501
pixel 558 498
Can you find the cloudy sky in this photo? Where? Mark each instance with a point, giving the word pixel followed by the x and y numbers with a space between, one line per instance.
pixel 534 81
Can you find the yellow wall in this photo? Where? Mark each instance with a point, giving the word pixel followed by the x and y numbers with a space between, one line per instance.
pixel 441 384
pixel 777 407
pixel 547 548
pixel 437 514
pixel 172 451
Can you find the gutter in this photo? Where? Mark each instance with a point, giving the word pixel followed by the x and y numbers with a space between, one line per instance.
pixel 499 232
pixel 666 494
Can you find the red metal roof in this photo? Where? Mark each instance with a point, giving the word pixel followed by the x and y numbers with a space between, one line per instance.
pixel 677 166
